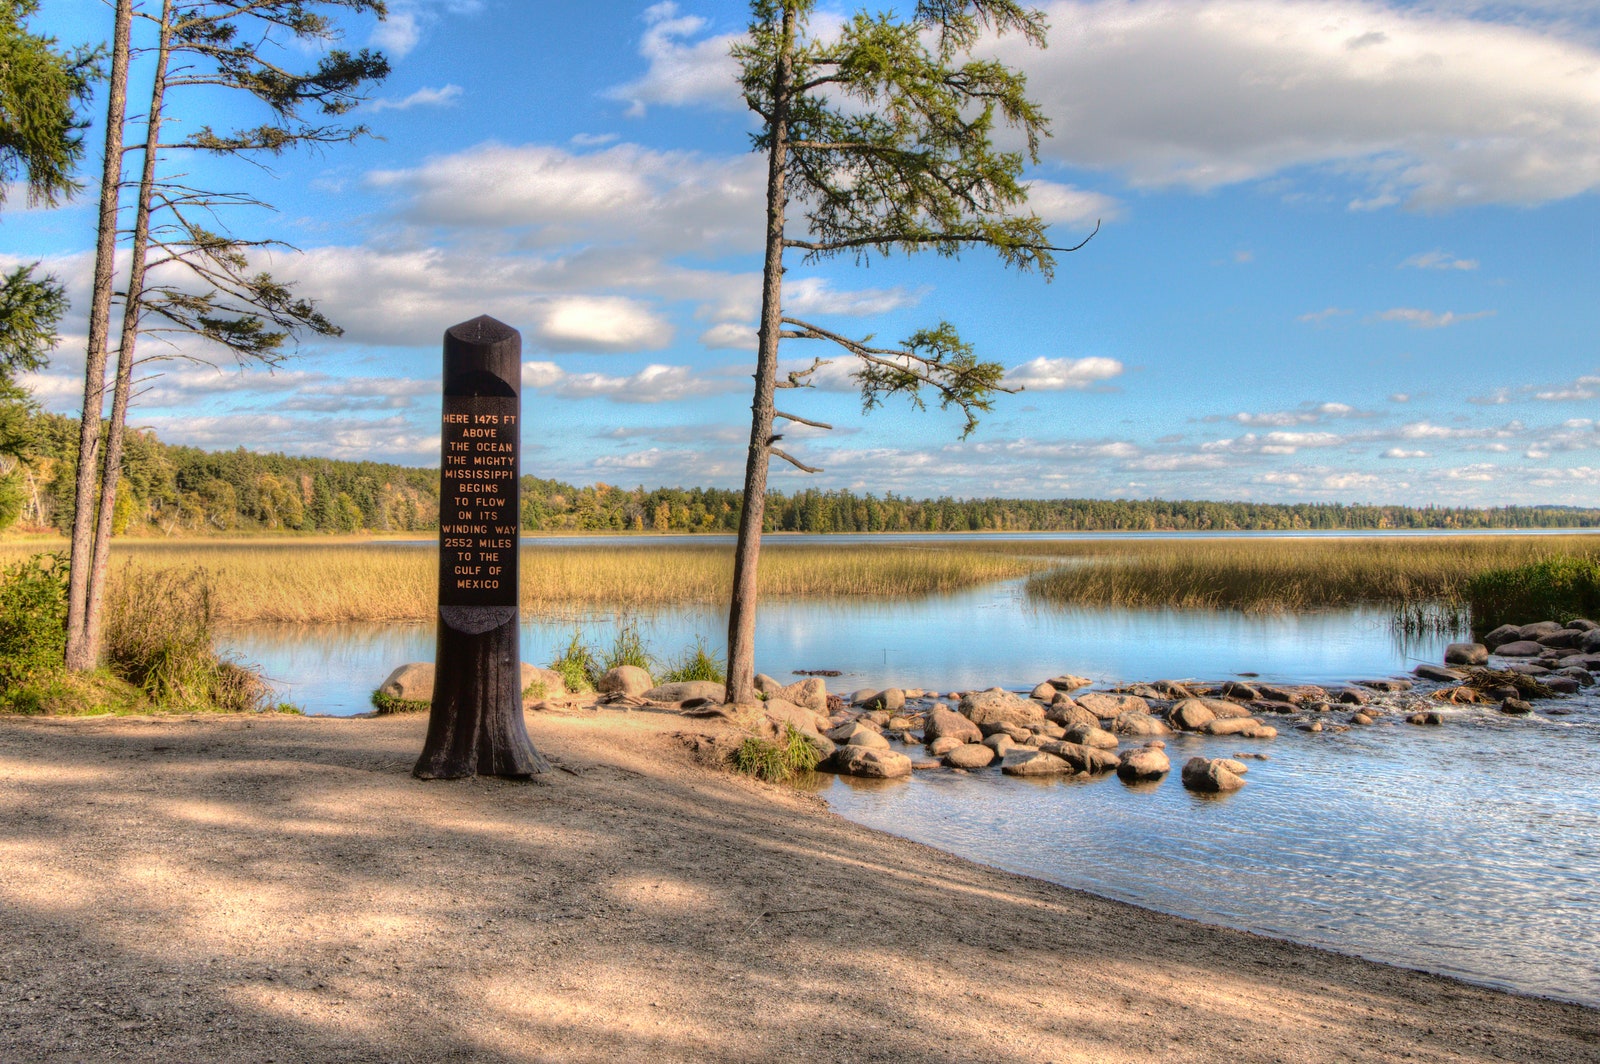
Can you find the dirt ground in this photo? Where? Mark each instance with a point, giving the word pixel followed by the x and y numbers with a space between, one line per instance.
pixel 281 889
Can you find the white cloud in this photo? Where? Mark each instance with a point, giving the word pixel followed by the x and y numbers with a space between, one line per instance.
pixel 730 336
pixel 1273 442
pixel 1061 204
pixel 1401 452
pixel 1583 388
pixel 599 323
pixel 682 71
pixel 1422 105
pixel 1429 319
pixel 816 295
pixel 652 384
pixel 1438 260
pixel 440 97
pixel 1322 317
pixel 398 34
pixel 1059 374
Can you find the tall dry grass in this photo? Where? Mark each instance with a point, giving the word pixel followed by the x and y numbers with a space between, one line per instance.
pixel 1291 573
pixel 298 582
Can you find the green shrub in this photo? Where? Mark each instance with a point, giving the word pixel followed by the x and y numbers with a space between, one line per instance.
pixel 577 666
pixel 159 636
pixel 1557 589
pixel 696 664
pixel 775 761
pixel 33 619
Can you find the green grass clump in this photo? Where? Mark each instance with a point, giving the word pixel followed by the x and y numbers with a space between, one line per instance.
pixel 776 761
pixel 160 637
pixel 387 704
pixel 627 648
pixel 1556 589
pixel 576 665
pixel 696 664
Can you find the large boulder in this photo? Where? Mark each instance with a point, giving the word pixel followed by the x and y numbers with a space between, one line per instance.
pixel 888 700
pixel 1565 639
pixel 811 692
pixel 1145 763
pixel 1522 648
pixel 1192 714
pixel 1108 706
pixel 969 756
pixel 1068 682
pixel 625 680
pixel 542 683
pixel 1466 654
pixel 869 762
pixel 943 723
pixel 687 691
pixel 1065 712
pixel 1210 777
pixel 1591 642
pixel 410 683
pixel 943 745
pixel 858 733
pixel 1436 673
pixel 1026 761
pixel 1533 631
pixel 999 706
pixel 767 685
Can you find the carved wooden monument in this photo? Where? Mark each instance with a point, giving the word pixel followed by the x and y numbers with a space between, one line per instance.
pixel 475 724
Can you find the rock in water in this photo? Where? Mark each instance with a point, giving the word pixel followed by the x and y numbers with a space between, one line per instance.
pixel 999 706
pixel 1466 654
pixel 1109 706
pixel 945 723
pixel 1436 673
pixel 1521 648
pixel 870 763
pixel 1192 714
pixel 1096 737
pixel 783 712
pixel 1145 763
pixel 1030 762
pixel 1139 725
pixel 1209 777
pixel 812 693
pixel 1082 758
pixel 969 756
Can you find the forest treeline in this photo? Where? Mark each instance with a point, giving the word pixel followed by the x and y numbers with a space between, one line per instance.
pixel 169 490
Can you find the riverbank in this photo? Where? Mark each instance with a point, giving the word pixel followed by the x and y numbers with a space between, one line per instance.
pixel 278 888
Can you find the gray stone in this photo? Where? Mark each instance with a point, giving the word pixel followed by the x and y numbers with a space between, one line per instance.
pixel 1561 685
pixel 1537 629
pixel 1241 691
pixel 1068 713
pixel 625 680
pixel 410 683
pixel 1516 707
pixel 1506 633
pixel 1245 727
pixel 811 692
pixel 1390 687
pixel 1565 639
pixel 1584 677
pixel 687 690
pixel 1192 714
pixel 970 756
pixel 1591 641
pixel 1001 744
pixel 943 745
pixel 1068 682
pixel 1436 673
pixel 1044 692
pixel 1209 777
pixel 858 734
pixel 943 723
pixel 1466 654
pixel 1583 624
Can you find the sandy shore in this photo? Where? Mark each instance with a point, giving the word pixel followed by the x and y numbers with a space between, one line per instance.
pixel 280 889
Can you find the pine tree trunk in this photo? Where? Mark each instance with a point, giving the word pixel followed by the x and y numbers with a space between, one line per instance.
pixel 747 553
pixel 80 655
pixel 132 310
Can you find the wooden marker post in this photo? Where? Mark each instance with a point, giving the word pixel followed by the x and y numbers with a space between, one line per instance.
pixel 475 725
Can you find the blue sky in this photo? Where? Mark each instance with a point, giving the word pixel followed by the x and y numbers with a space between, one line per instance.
pixel 1349 252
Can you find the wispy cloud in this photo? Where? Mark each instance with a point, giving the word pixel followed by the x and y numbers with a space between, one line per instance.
pixel 441 97
pixel 1429 319
pixel 1438 260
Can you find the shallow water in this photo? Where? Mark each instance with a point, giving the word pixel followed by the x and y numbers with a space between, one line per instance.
pixel 1471 849
pixel 979 638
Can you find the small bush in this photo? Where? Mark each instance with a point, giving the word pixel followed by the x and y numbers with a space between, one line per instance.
pixel 1555 589
pixel 33 619
pixel 159 636
pixel 577 666
pixel 696 664
pixel 775 761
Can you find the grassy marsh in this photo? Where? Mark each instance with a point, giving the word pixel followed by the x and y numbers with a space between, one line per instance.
pixel 312 581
